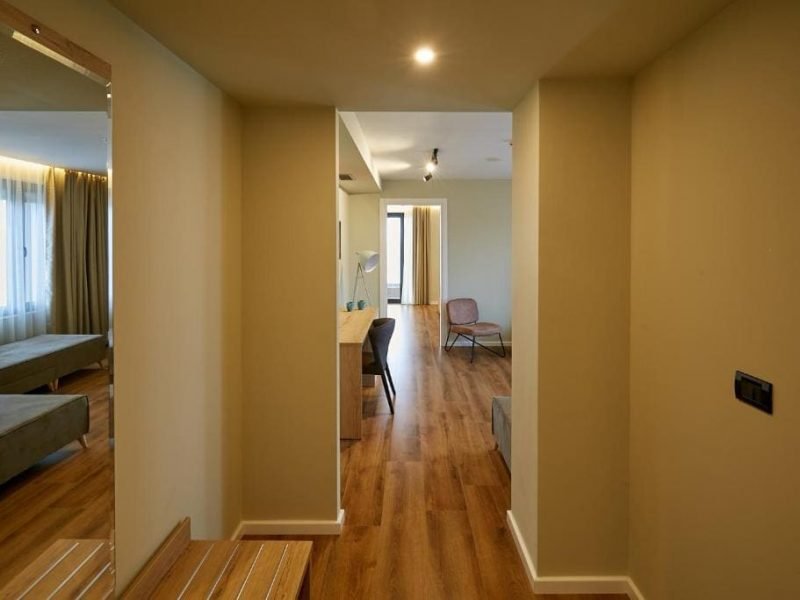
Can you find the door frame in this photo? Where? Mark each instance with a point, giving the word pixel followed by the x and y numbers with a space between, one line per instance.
pixel 443 273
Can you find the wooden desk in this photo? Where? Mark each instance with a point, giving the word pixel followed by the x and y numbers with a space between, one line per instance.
pixel 353 328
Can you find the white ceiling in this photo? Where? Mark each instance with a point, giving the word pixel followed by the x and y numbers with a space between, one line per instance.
pixel 471 145
pixel 357 54
pixel 68 139
pixel 352 163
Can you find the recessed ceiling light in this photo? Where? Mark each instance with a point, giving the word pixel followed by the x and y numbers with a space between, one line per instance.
pixel 424 55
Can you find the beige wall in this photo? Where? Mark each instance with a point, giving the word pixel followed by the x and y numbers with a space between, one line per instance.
pixel 362 217
pixel 290 354
pixel 525 314
pixel 177 281
pixel 715 487
pixel 478 239
pixel 584 275
pixel 571 290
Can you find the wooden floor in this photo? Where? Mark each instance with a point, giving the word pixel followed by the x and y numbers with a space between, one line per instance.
pixel 68 495
pixel 425 493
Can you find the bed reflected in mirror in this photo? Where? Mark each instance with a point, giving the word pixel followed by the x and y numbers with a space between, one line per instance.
pixel 56 360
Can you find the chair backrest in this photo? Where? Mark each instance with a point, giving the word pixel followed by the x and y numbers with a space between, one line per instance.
pixel 380 334
pixel 462 311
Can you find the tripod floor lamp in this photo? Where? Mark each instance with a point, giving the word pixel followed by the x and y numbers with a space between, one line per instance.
pixel 367 261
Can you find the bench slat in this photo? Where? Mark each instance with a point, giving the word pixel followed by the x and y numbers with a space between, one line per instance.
pixel 63 570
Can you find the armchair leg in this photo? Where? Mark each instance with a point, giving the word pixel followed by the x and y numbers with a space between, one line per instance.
pixel 450 347
pixel 501 353
pixel 472 355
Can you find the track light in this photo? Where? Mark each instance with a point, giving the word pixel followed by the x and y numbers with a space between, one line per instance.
pixel 427 178
pixel 432 164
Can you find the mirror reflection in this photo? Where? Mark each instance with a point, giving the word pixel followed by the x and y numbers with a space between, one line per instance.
pixel 56 400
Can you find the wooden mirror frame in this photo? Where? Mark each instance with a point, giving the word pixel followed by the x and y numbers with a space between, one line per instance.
pixel 39 36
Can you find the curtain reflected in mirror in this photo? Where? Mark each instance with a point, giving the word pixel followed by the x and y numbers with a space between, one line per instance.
pixel 56 359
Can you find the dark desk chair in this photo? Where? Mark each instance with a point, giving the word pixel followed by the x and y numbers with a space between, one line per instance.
pixel 462 313
pixel 380 334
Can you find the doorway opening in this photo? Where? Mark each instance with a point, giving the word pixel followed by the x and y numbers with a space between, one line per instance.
pixel 413 257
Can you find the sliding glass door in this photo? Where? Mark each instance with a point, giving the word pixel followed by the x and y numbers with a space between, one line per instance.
pixel 394 257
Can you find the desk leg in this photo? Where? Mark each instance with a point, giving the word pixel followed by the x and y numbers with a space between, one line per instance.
pixel 350 409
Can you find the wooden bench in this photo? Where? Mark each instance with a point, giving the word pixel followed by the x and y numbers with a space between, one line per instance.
pixel 183 568
pixel 67 569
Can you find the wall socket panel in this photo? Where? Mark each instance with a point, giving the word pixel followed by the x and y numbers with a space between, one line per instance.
pixel 753 391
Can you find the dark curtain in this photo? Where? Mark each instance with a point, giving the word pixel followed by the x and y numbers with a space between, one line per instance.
pixel 80 254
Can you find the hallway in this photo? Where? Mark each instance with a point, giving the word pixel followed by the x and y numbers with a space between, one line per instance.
pixel 425 493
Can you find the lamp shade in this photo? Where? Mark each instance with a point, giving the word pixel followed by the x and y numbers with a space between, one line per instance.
pixel 368 260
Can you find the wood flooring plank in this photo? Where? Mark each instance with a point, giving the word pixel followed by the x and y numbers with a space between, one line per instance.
pixel 404 566
pixel 443 489
pixel 499 564
pixel 364 496
pixel 351 569
pixel 453 552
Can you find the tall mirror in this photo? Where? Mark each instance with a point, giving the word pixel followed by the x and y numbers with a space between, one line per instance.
pixel 56 362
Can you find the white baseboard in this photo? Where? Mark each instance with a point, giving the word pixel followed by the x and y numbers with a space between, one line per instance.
pixel 527 561
pixel 592 584
pixel 289 527
pixel 633 592
pixel 237 533
pixel 584 585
